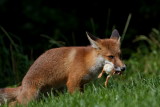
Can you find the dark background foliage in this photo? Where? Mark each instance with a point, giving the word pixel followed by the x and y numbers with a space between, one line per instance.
pixel 34 26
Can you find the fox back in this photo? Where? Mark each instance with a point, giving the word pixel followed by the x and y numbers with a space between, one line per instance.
pixel 70 66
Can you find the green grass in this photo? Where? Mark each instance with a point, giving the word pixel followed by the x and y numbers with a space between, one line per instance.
pixel 137 87
pixel 139 90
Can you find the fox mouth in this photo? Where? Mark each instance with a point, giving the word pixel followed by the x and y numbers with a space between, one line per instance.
pixel 118 72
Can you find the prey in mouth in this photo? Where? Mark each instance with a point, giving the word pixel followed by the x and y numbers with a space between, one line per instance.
pixel 111 70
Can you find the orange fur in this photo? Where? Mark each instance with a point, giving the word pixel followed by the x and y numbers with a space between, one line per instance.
pixel 70 66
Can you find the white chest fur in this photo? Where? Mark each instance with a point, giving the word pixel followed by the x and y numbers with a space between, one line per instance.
pixel 95 69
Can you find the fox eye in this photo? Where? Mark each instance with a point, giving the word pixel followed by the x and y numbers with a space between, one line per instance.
pixel 111 56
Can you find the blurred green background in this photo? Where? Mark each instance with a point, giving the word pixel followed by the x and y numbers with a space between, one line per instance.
pixel 30 27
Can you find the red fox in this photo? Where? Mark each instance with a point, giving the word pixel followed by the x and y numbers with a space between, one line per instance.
pixel 66 66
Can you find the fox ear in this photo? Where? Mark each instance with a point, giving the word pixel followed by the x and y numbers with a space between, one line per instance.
pixel 115 35
pixel 93 40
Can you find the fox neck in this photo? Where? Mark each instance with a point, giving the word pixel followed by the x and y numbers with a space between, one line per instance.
pixel 95 69
pixel 99 63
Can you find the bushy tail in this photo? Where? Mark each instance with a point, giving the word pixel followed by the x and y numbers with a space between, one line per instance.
pixel 9 94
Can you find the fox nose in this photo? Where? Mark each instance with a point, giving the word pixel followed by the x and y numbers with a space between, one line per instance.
pixel 123 68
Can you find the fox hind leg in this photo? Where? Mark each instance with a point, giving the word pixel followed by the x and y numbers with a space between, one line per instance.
pixel 27 95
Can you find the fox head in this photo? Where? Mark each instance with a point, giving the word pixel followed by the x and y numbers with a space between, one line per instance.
pixel 109 49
